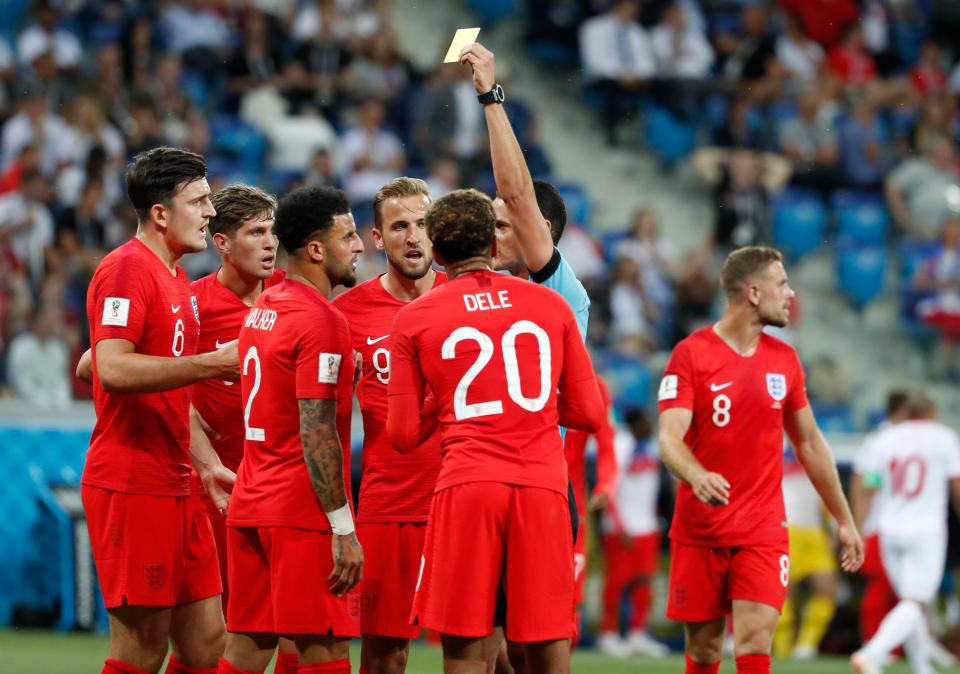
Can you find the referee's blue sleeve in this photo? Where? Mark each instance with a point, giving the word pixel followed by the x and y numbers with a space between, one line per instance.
pixel 558 275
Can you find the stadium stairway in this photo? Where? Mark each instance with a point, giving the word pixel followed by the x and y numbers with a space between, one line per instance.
pixel 874 351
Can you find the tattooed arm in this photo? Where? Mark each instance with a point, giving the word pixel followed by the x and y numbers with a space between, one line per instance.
pixel 324 458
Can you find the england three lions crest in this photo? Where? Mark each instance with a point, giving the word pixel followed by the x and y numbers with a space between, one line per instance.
pixel 777 386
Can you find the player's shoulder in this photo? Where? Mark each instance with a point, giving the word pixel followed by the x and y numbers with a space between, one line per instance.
pixel 356 295
pixel 777 345
pixel 129 261
pixel 203 284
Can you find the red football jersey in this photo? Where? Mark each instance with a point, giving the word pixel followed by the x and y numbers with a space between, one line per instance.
pixel 494 350
pixel 140 443
pixel 575 452
pixel 293 345
pixel 395 487
pixel 738 406
pixel 217 401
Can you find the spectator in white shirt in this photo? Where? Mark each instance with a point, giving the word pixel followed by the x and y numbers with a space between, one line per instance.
pixel 34 124
pixel 26 222
pixel 198 33
pixel 617 61
pixel 369 154
pixel 38 363
pixel 800 57
pixel 45 36
pixel 681 51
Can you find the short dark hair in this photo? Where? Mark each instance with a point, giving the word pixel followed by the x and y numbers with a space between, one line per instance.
pixel 552 208
pixel 155 176
pixel 742 264
pixel 461 225
pixel 236 203
pixel 306 213
pixel 896 401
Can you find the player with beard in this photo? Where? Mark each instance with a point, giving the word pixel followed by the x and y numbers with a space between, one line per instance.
pixel 291 506
pixel 152 544
pixel 727 395
pixel 395 489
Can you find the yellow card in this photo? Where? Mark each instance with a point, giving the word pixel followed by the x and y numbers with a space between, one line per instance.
pixel 461 39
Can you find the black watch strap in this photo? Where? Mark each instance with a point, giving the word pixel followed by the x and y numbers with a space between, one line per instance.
pixel 495 95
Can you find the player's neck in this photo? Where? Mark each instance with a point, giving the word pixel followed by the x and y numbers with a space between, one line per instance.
pixel 247 288
pixel 309 275
pixel 158 245
pixel 740 331
pixel 404 288
pixel 479 263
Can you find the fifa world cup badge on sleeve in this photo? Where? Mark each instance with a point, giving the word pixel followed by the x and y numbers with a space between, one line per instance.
pixel 329 368
pixel 116 311
pixel 668 387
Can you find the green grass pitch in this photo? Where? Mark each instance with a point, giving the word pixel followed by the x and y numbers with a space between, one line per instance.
pixel 29 652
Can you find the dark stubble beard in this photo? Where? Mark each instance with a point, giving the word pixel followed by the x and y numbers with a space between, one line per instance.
pixel 399 263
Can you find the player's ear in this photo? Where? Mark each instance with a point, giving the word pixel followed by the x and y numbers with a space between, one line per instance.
pixel 222 242
pixel 159 215
pixel 377 238
pixel 315 251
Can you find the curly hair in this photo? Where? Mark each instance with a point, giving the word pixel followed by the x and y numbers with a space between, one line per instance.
pixel 461 225
pixel 236 203
pixel 306 213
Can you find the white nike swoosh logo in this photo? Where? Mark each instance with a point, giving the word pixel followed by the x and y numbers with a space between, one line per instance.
pixel 220 345
pixel 371 341
pixel 175 309
pixel 720 387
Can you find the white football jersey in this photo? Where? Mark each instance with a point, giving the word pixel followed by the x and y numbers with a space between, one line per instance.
pixel 913 462
pixel 638 484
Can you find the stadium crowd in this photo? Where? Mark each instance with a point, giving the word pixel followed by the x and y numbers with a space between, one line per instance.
pixel 318 93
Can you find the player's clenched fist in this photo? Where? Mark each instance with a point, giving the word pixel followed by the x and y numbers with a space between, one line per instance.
pixel 347 564
pixel 481 60
pixel 226 361
pixel 712 489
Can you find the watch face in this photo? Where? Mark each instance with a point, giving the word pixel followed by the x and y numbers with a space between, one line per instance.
pixel 498 93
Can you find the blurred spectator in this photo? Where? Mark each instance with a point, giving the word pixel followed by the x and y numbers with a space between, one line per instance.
pixel 617 60
pixel 45 36
pixel 681 51
pixel 35 125
pixel 809 140
pixel 801 58
pixel 583 254
pixel 322 172
pixel 921 192
pixel 38 361
pixel 356 24
pixel 259 62
pixel 555 21
pixel 144 130
pixel 444 177
pixel 937 119
pixel 7 72
pixel 941 276
pixel 653 256
pixel 853 67
pixel 827 381
pixel 744 182
pixel 28 160
pixel 448 123
pixel 863 146
pixel 696 291
pixel 83 226
pixel 738 130
pixel 88 128
pixel 26 222
pixel 750 60
pixel 928 76
pixel 370 155
pixel 378 72
pixel 313 74
pixel 198 34
pixel 823 20
pixel 630 313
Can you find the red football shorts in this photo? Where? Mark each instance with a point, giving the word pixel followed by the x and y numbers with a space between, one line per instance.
pixel 704 581
pixel 150 550
pixel 391 566
pixel 218 525
pixel 485 535
pixel 279 580
pixel 639 556
pixel 872 562
pixel 580 561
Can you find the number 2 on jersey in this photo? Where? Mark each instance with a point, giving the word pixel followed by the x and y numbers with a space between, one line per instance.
pixel 252 433
pixel 464 410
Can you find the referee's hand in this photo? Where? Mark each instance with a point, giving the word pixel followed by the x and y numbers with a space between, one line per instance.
pixel 480 60
pixel 347 564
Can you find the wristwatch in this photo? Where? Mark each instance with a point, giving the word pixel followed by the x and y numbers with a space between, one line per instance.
pixel 495 95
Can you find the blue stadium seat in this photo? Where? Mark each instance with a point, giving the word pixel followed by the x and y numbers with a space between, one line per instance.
pixel 577 201
pixel 492 12
pixel 833 417
pixel 608 241
pixel 860 216
pixel 799 222
pixel 667 137
pixel 628 379
pixel 861 271
pixel 241 141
